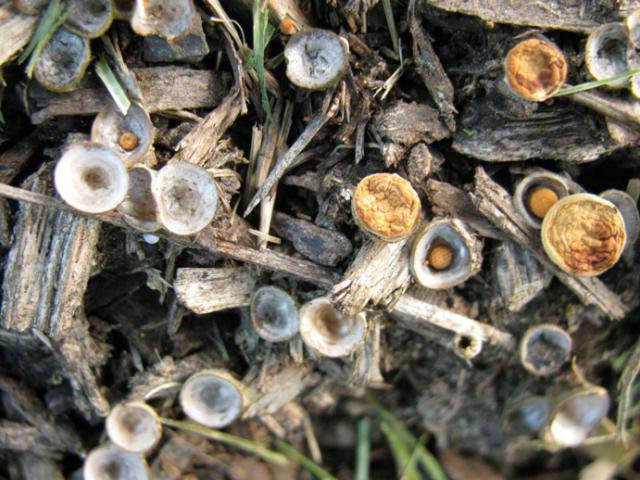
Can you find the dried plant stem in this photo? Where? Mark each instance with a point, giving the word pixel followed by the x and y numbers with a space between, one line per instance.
pixel 625 111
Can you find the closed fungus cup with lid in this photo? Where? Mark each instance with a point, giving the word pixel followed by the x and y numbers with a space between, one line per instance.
pixel 386 206
pixel 583 234
pixel 536 69
pixel 316 59
pixel 130 135
pixel 212 398
pixel 445 253
pixel 536 193
pixel 329 332
pixel 134 426
pixel 575 413
pixel 274 314
pixel 186 196
pixel 91 178
pixel 110 462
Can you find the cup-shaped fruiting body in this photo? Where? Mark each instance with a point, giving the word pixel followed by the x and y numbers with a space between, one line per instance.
pixel 445 253
pixel 89 18
pixel 139 208
pixel 169 20
pixel 186 196
pixel 130 135
pixel 629 210
pixel 527 416
pixel 575 414
pixel 134 426
pixel 91 178
pixel 316 59
pixel 466 347
pixel 30 7
pixel 536 194
pixel 544 349
pixel 536 69
pixel 583 234
pixel 274 314
pixel 63 61
pixel 212 398
pixel 605 53
pixel 110 462
pixel 386 206
pixel 329 332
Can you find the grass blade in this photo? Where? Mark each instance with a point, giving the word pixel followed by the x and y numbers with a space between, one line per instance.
pixel 304 461
pixel 413 459
pixel 51 20
pixel 262 32
pixel 363 447
pixel 391 24
pixel 596 83
pixel 400 452
pixel 625 386
pixel 232 440
pixel 103 70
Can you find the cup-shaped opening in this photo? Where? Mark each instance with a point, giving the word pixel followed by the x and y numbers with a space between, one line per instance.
pixel 139 207
pixel 91 178
pixel 544 349
pixel 89 18
pixel 606 53
pixel 535 194
pixel 576 416
pixel 212 399
pixel 274 314
pixel 329 332
pixel 110 462
pixel 63 61
pixel 134 426
pixel 169 20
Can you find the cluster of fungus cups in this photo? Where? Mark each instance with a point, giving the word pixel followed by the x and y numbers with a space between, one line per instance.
pixel 583 234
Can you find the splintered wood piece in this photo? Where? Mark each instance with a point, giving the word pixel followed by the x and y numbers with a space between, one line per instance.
pixel 366 367
pixel 417 313
pixel 519 277
pixel 205 240
pixel 572 15
pixel 494 202
pixel 378 274
pixel 47 272
pixel 431 71
pixel 16 29
pixel 283 388
pixel 18 437
pixel 207 290
pixel 409 123
pixel 163 88
pixel 38 466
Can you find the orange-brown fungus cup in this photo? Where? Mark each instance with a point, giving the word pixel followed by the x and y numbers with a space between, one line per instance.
pixel 583 234
pixel 536 69
pixel 386 206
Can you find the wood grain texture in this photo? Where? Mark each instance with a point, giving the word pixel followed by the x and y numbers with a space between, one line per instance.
pixel 16 31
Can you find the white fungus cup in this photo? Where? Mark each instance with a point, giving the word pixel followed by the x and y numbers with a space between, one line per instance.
pixel 134 426
pixel 186 196
pixel 110 462
pixel 212 398
pixel 91 178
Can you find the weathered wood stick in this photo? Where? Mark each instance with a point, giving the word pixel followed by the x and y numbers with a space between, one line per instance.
pixel 205 240
pixel 454 322
pixel 163 88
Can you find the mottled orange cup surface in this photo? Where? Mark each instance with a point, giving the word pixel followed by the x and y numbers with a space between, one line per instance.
pixel 536 68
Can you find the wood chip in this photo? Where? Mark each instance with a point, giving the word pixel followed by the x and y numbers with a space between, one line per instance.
pixel 16 29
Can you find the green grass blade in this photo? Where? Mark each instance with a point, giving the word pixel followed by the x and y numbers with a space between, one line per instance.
pixel 232 440
pixel 596 83
pixel 413 459
pixel 400 451
pixel 52 19
pixel 363 448
pixel 262 32
pixel 103 70
pixel 304 461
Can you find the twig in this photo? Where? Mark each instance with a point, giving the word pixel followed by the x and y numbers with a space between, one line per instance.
pixel 454 322
pixel 329 109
